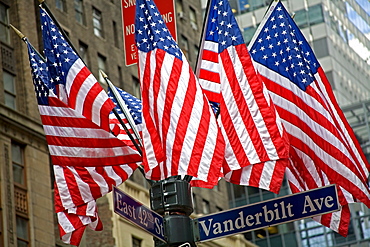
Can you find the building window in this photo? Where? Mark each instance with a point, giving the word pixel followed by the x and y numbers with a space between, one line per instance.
pixel 4 21
pixel 115 34
pixel 9 89
pixel 83 52
pixel 18 164
pixel 248 33
pixel 120 79
pixel 97 23
pixel 22 232
pixel 136 242
pixel 180 9
pixel 136 87
pixel 20 195
pixel 184 45
pixel 79 12
pixel 101 66
pixel 205 206
pixel 61 5
pixel 193 19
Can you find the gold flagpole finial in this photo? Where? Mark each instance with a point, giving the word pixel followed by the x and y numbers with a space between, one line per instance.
pixel 41 1
pixel 20 34
pixel 103 74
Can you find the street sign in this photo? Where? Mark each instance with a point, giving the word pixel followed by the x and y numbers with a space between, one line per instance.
pixel 166 9
pixel 263 214
pixel 137 213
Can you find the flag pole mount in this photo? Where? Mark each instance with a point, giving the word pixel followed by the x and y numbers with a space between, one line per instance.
pixel 19 33
pixel 171 198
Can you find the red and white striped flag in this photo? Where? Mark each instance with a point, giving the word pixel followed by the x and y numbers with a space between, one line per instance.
pixel 256 148
pixel 180 133
pixel 324 149
pixel 74 110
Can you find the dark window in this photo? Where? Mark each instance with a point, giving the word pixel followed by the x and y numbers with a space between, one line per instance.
pixel 320 47
pixel 83 52
pixel 205 207
pixel 9 89
pixel 4 21
pixel 248 33
pixel 22 232
pixel 61 5
pixel 101 66
pixel 115 34
pixel 79 12
pixel 193 19
pixel 136 242
pixel 98 23
pixel 136 87
pixel 184 45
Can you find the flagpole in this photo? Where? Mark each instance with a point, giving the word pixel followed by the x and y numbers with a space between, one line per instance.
pixel 199 57
pixel 123 107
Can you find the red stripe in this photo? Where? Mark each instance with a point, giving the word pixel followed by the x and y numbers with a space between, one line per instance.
pixel 319 140
pixel 149 123
pixel 210 56
pixel 73 122
pixel 105 111
pixel 90 99
pixel 278 175
pixel 212 96
pixel 65 141
pixel 348 128
pixel 94 162
pixel 265 109
pixel 334 177
pixel 76 85
pixel 246 117
pixel 182 126
pixel 209 76
pixel 73 189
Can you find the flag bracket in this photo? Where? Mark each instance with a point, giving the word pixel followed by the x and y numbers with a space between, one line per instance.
pixel 172 199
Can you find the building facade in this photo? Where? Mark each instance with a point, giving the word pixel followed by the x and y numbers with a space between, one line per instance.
pixel 95 28
pixel 339 33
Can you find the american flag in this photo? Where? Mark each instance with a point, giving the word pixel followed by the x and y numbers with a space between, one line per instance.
pixel 256 148
pixel 324 149
pixel 133 105
pixel 78 133
pixel 180 133
pixel 72 136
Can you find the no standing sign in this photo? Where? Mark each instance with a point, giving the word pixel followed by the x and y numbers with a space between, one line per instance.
pixel 167 10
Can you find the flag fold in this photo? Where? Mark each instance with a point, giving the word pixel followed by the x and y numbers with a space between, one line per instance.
pixel 324 149
pixel 180 133
pixel 257 148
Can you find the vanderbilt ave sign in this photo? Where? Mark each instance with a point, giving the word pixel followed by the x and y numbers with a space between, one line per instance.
pixel 267 213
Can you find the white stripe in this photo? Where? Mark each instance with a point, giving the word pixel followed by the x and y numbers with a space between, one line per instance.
pixel 56 111
pixel 178 104
pixel 65 223
pixel 343 128
pixel 71 74
pixel 267 175
pixel 210 66
pixel 210 85
pixel 61 183
pixel 211 46
pixel 329 160
pixel 83 152
pixel 77 132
